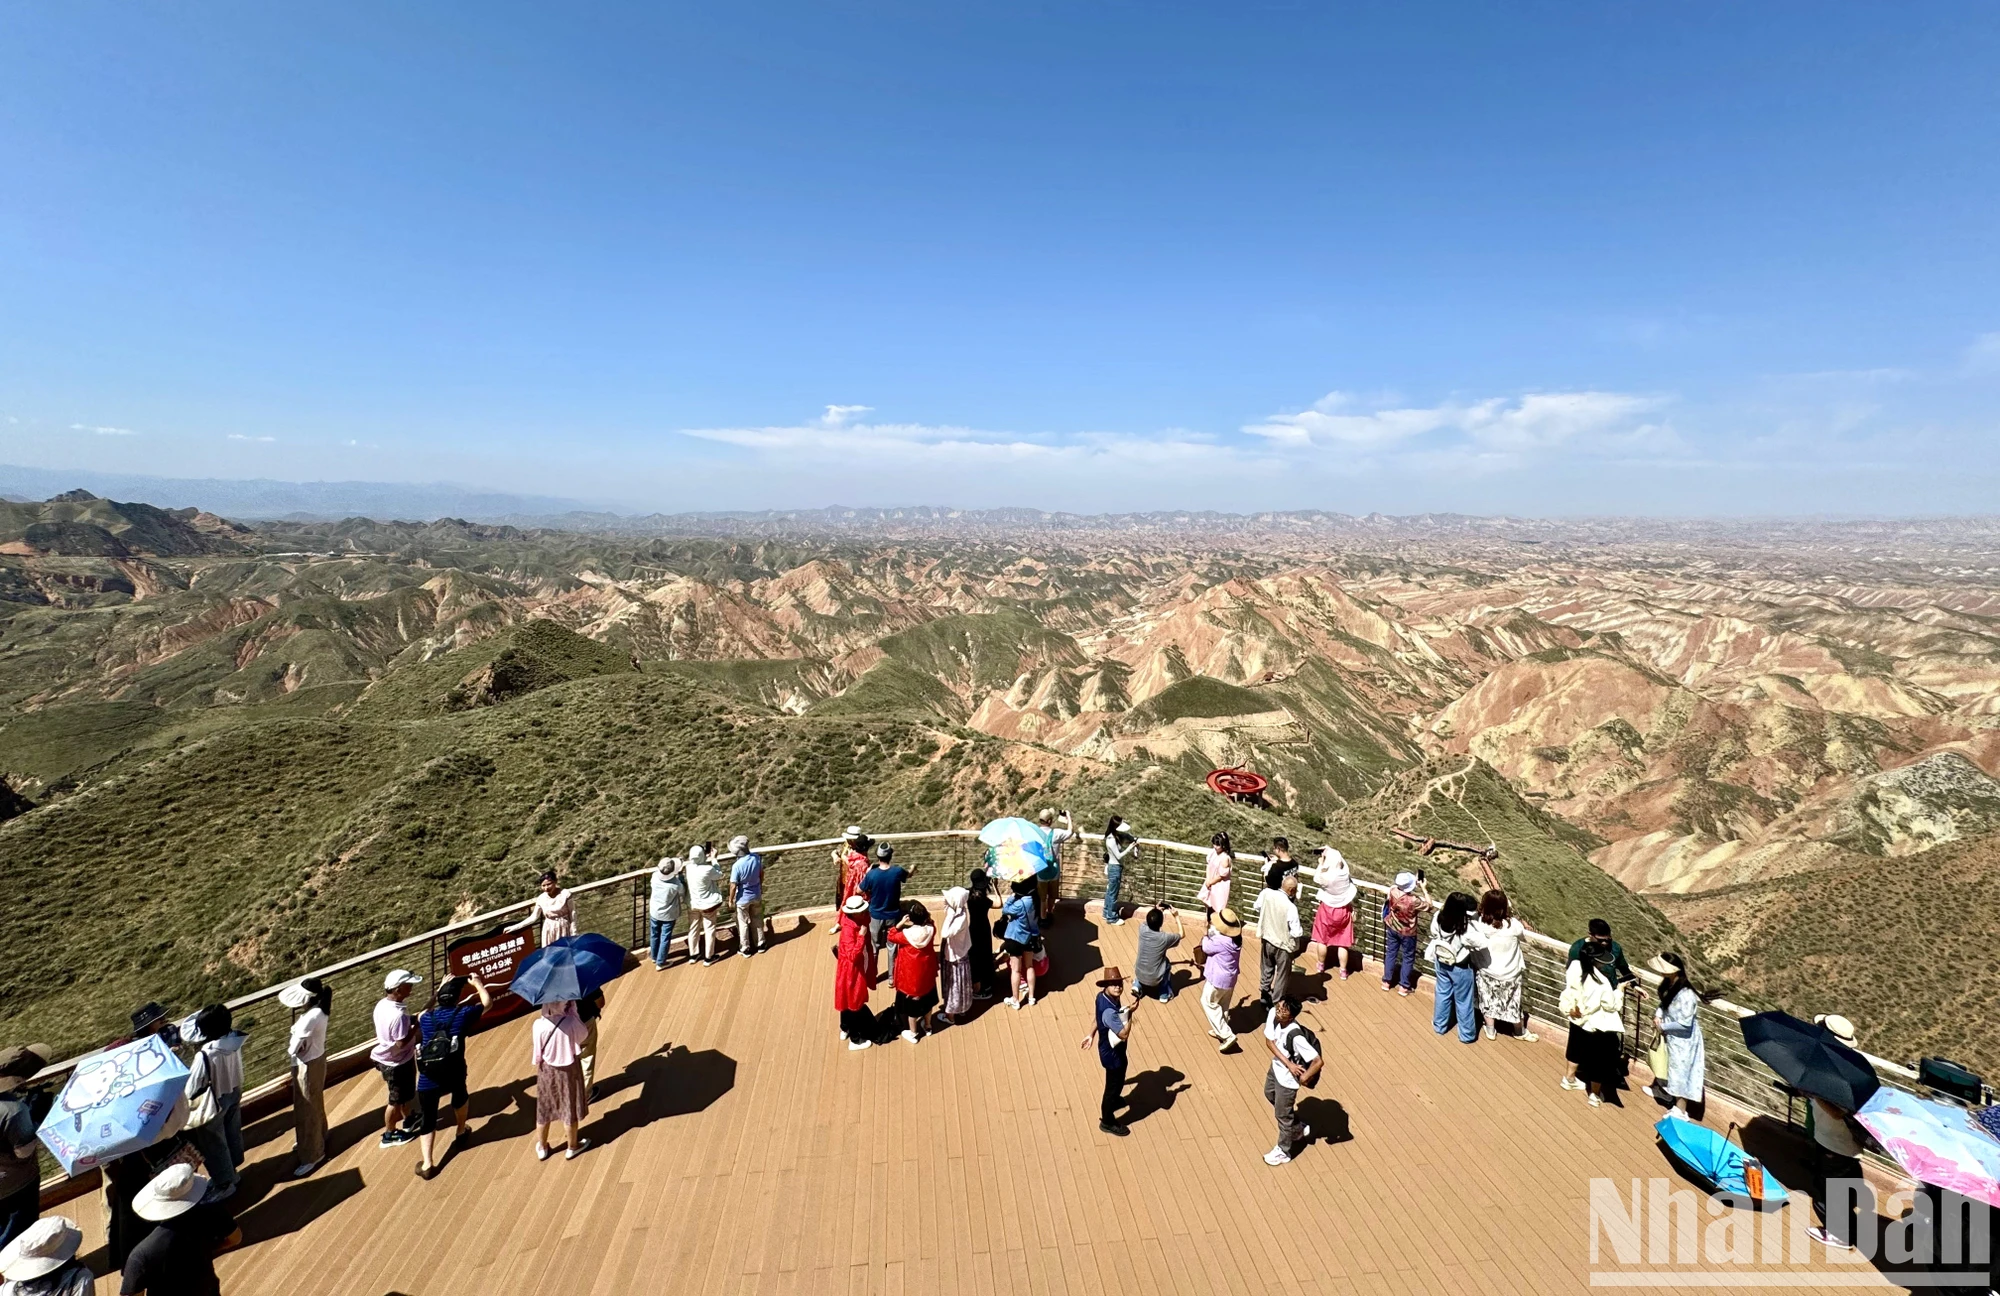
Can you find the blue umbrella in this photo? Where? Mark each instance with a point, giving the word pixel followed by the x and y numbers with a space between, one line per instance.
pixel 115 1102
pixel 602 946
pixel 563 970
pixel 1016 849
pixel 1713 1158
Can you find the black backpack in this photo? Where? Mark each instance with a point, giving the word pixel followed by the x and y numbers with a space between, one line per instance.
pixel 442 1052
pixel 1298 1028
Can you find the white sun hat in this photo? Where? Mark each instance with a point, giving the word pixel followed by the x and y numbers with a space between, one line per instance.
pixel 295 996
pixel 174 1191
pixel 44 1247
pixel 399 978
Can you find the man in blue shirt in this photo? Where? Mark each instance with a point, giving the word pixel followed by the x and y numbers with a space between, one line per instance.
pixel 746 892
pixel 1111 1027
pixel 883 885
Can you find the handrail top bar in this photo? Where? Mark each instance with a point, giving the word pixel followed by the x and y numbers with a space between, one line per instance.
pixel 478 920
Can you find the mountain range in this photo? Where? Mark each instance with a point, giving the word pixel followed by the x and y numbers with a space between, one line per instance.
pixel 331 733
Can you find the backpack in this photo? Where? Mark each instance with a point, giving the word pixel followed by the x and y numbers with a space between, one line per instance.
pixel 442 1052
pixel 1297 1029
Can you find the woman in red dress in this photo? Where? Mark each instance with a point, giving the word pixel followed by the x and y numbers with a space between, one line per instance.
pixel 854 974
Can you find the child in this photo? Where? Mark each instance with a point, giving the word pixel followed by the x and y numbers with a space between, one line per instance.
pixel 1407 902
pixel 915 970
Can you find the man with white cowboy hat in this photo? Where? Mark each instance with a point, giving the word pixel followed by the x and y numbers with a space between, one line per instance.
pixel 20 1169
pixel 395 1054
pixel 43 1260
pixel 179 1254
pixel 667 897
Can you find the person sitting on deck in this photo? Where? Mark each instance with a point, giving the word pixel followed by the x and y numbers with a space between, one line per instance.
pixel 1150 968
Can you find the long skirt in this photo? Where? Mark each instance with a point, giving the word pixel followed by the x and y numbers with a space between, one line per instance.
pixel 1596 1055
pixel 1500 998
pixel 561 1097
pixel 956 975
pixel 1333 928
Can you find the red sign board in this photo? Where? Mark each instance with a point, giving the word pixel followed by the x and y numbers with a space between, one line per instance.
pixel 493 956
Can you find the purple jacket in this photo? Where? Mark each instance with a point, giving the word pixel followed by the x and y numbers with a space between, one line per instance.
pixel 1224 957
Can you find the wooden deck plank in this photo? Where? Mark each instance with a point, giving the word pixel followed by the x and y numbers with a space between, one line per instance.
pixel 968 1163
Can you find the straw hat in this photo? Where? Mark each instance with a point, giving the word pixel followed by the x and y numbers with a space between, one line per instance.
pixel 1111 977
pixel 1842 1029
pixel 1227 921
pixel 44 1247
pixel 174 1191
pixel 18 1065
pixel 856 904
pixel 295 997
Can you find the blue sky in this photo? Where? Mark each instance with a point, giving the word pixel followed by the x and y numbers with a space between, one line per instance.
pixel 1534 258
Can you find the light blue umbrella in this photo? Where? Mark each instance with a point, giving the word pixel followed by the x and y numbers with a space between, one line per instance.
pixel 115 1102
pixel 1016 849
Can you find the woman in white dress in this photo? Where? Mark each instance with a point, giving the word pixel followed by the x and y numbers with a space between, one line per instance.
pixel 554 909
pixel 1679 1020
pixel 1503 966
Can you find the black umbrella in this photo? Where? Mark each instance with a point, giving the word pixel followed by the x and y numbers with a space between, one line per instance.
pixel 1809 1058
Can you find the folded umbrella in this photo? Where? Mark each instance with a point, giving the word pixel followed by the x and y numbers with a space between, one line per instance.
pixel 1016 849
pixel 1810 1059
pixel 561 971
pixel 115 1102
pixel 1937 1142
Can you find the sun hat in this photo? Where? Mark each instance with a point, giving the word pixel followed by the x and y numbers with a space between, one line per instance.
pixel 295 996
pixel 695 853
pixel 1046 816
pixel 738 844
pixel 671 865
pixel 855 904
pixel 1843 1029
pixel 399 978
pixel 1111 976
pixel 853 831
pixel 174 1191
pixel 147 1017
pixel 39 1250
pixel 1406 881
pixel 19 1064
pixel 1227 922
pixel 1658 963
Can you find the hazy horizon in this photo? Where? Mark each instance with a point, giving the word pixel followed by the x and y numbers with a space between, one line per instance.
pixel 1543 261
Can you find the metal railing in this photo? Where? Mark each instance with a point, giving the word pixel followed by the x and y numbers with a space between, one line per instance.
pixel 802 876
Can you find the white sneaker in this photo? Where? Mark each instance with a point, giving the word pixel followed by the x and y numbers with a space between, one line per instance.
pixel 1305 1135
pixel 1595 1101
pixel 910 1035
pixel 856 1046
pixel 1014 1003
pixel 1030 1003
pixel 1276 1157
pixel 1489 1030
pixel 1571 1083
pixel 1646 1090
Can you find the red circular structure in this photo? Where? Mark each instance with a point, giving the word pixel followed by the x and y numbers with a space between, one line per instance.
pixel 1236 782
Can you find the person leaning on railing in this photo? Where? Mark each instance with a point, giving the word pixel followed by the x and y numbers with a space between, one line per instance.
pixel 1402 909
pixel 666 898
pixel 746 895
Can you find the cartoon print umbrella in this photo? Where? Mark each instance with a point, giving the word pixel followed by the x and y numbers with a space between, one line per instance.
pixel 1937 1142
pixel 1016 849
pixel 115 1102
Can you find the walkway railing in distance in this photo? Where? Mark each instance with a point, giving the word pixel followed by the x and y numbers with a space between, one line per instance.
pixel 803 876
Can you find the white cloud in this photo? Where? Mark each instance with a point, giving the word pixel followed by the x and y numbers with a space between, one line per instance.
pixel 238 436
pixel 842 415
pixel 100 431
pixel 1517 424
